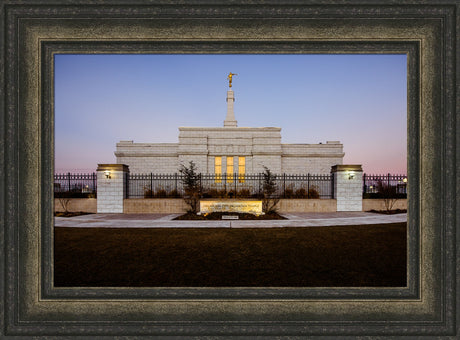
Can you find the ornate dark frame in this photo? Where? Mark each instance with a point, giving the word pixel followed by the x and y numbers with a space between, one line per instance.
pixel 427 32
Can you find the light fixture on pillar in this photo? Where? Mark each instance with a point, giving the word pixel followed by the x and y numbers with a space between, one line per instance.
pixel 107 174
pixel 351 175
pixel 405 179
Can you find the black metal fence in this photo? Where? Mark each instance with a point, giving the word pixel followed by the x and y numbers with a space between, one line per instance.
pixel 373 184
pixel 226 185
pixel 231 185
pixel 75 185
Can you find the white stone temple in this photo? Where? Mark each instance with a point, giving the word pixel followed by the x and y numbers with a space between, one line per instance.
pixel 230 149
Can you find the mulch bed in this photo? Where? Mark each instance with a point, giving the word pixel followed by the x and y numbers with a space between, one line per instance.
pixel 389 212
pixel 340 256
pixel 71 214
pixel 241 216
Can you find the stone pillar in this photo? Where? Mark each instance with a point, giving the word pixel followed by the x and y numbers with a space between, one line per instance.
pixel 230 120
pixel 348 187
pixel 111 187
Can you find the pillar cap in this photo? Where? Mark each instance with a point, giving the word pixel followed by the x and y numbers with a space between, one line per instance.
pixel 347 167
pixel 113 167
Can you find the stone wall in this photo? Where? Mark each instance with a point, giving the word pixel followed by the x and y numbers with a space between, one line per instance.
pixel 155 205
pixel 378 204
pixel 77 204
pixel 177 205
pixel 307 205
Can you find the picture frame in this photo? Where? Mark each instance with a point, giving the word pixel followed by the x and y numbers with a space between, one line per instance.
pixel 34 32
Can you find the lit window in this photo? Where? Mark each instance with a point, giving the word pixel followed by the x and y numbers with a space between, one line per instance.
pixel 229 169
pixel 218 169
pixel 241 168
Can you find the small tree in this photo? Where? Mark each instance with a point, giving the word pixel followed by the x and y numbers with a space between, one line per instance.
pixel 63 198
pixel 192 186
pixel 388 194
pixel 269 199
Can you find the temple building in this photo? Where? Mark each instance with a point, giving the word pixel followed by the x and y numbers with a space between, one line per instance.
pixel 230 149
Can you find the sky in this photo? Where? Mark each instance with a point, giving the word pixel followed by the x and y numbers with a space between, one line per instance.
pixel 359 100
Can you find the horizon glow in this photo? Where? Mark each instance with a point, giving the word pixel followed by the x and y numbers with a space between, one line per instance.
pixel 359 100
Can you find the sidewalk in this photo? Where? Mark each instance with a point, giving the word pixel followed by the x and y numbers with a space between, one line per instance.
pixel 165 221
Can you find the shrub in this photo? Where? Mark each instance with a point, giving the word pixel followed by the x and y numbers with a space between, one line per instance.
pixel 174 194
pixel 313 193
pixel 161 194
pixel 148 193
pixel 301 193
pixel 289 193
pixel 244 193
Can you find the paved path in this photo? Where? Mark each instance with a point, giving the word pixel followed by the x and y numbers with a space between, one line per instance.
pixel 165 221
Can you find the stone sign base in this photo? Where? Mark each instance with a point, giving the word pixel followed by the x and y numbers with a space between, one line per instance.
pixel 251 207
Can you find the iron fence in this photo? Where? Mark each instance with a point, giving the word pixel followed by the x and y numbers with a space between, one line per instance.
pixel 75 185
pixel 373 184
pixel 226 185
pixel 154 185
pixel 230 185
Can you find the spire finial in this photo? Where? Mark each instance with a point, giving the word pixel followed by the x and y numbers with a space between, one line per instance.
pixel 230 75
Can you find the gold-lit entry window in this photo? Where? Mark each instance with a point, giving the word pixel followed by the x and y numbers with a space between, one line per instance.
pixel 241 168
pixel 229 169
pixel 218 169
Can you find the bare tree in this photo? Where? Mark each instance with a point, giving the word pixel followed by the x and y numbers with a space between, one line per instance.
pixel 388 194
pixel 63 199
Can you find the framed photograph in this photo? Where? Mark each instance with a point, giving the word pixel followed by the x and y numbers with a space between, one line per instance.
pixel 157 115
pixel 36 33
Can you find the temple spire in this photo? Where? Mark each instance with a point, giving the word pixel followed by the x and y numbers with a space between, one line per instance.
pixel 230 120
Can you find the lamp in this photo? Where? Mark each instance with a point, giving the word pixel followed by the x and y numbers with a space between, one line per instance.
pixel 107 173
pixel 351 175
pixel 405 179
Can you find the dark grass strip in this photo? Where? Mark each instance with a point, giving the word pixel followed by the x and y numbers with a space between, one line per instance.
pixel 340 256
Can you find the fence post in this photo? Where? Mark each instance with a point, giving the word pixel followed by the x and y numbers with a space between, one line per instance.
pixel 348 189
pixel 68 181
pixel 308 185
pixel 364 184
pixel 332 185
pixel 94 182
pixel 111 190
pixel 151 184
pixel 175 182
pixel 284 185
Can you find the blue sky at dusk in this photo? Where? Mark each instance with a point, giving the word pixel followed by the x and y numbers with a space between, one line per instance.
pixel 359 100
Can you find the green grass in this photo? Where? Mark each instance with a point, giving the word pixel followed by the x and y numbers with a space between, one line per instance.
pixel 341 256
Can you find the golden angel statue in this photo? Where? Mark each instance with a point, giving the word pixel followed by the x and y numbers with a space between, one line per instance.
pixel 230 75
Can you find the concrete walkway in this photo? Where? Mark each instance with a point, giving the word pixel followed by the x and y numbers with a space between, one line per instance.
pixel 165 221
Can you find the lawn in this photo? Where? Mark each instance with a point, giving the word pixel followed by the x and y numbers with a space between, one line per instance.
pixel 340 256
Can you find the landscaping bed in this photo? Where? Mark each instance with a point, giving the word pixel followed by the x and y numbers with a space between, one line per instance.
pixel 70 213
pixel 389 212
pixel 241 216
